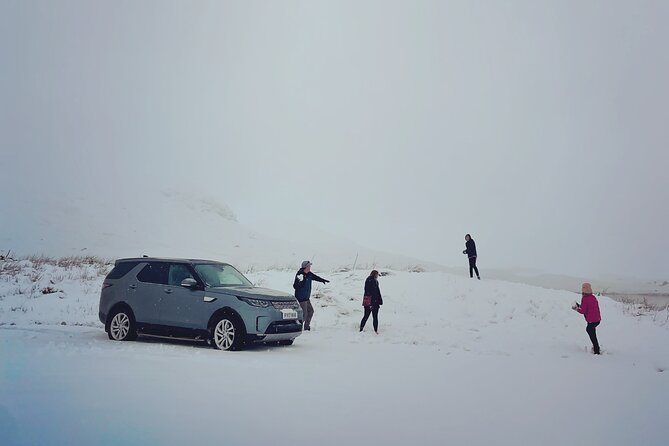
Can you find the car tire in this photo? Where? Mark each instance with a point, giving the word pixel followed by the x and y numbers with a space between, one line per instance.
pixel 227 333
pixel 122 325
pixel 285 342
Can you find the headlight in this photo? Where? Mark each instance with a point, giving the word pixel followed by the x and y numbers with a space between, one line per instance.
pixel 255 302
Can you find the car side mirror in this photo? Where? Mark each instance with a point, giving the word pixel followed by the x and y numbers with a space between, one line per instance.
pixel 189 283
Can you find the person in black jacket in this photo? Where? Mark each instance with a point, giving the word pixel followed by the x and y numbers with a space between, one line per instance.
pixel 302 286
pixel 372 300
pixel 470 251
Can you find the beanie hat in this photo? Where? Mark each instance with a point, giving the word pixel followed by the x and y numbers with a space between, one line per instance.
pixel 586 288
pixel 306 263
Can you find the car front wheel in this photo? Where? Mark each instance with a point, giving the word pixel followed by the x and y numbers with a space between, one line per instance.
pixel 227 334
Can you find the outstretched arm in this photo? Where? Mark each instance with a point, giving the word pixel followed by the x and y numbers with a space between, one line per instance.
pixel 318 278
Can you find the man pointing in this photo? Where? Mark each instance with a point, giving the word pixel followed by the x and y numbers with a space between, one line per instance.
pixel 302 285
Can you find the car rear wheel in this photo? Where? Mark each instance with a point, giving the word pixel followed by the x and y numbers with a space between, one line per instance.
pixel 122 326
pixel 227 334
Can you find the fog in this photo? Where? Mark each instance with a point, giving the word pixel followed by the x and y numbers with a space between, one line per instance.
pixel 538 127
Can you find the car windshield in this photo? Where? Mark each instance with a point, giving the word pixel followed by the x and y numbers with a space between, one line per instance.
pixel 220 274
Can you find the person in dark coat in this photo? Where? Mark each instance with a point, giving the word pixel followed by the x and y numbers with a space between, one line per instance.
pixel 470 251
pixel 372 300
pixel 302 286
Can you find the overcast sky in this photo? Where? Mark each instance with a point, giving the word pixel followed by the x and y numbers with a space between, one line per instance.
pixel 541 128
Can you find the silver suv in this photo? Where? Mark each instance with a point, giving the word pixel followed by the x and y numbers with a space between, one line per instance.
pixel 195 299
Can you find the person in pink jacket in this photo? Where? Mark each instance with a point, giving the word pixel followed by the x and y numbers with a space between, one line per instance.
pixel 589 307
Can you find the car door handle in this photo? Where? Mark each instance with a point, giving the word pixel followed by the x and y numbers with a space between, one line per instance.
pixel 132 285
pixel 168 290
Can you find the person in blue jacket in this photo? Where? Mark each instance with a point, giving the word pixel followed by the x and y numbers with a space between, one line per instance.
pixel 302 286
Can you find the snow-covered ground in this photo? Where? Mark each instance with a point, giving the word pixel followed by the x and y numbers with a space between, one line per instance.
pixel 457 361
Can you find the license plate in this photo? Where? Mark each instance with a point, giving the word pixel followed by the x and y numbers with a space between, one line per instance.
pixel 289 314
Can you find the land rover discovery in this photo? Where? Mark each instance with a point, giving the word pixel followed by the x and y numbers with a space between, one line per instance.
pixel 196 299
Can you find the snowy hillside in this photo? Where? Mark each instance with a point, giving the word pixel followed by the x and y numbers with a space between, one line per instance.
pixel 457 361
pixel 171 224
pixel 168 223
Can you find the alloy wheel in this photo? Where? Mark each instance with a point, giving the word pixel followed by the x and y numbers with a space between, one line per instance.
pixel 224 334
pixel 120 326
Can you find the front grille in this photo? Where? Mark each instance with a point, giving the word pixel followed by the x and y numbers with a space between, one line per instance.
pixel 285 305
pixel 280 327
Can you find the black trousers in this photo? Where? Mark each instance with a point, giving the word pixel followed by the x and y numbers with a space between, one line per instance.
pixel 590 329
pixel 472 267
pixel 375 315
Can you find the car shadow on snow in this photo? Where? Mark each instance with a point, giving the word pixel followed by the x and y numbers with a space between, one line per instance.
pixel 202 344
pixel 99 335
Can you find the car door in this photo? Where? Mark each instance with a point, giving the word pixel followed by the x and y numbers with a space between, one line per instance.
pixel 149 289
pixel 180 306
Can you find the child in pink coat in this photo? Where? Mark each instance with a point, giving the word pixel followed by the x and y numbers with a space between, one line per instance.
pixel 589 307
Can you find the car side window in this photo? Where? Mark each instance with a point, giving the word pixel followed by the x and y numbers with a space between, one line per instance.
pixel 121 269
pixel 178 272
pixel 154 272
